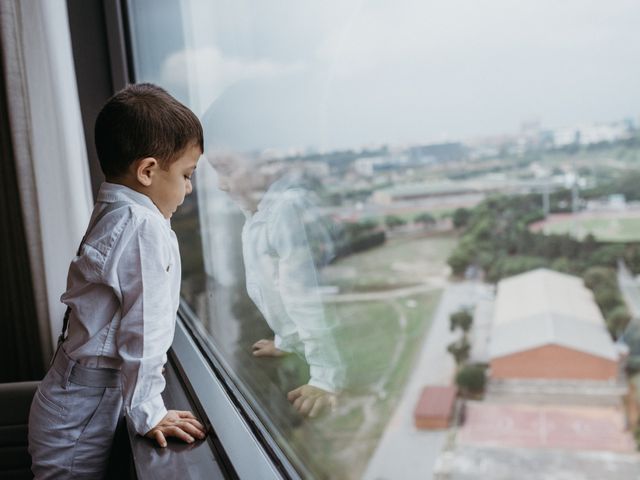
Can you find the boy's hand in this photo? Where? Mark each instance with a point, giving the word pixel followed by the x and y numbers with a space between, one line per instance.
pixel 266 348
pixel 179 424
pixel 311 401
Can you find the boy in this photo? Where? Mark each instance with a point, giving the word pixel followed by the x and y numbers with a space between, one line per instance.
pixel 282 226
pixel 122 292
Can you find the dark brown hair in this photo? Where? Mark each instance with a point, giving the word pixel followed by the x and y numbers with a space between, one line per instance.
pixel 143 120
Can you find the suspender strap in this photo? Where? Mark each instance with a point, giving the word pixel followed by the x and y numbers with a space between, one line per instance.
pixel 109 208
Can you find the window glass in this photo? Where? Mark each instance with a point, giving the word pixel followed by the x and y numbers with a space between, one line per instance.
pixel 414 233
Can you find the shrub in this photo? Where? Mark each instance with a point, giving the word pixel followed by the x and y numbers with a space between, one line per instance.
pixel 425 218
pixel 460 319
pixel 471 379
pixel 460 350
pixel 618 320
pixel 392 221
pixel 599 277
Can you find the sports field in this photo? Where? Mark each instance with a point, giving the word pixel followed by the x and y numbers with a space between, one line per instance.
pixel 605 226
pixel 537 426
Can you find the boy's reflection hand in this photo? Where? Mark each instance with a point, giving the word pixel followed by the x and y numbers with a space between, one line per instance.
pixel 266 348
pixel 311 401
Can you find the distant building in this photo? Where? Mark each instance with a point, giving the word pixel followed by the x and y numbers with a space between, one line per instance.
pixel 546 325
pixel 440 153
pixel 370 166
pixel 412 192
pixel 591 134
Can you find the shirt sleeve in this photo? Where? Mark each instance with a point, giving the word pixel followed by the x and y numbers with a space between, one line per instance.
pixel 301 297
pixel 147 323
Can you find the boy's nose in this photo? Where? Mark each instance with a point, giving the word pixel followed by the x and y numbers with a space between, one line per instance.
pixel 189 187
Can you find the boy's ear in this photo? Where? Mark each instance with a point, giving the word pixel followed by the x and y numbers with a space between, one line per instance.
pixel 145 169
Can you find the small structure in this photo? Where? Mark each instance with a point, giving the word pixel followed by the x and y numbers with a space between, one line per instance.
pixel 435 407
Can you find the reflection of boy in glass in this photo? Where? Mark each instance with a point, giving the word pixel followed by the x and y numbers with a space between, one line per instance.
pixel 282 225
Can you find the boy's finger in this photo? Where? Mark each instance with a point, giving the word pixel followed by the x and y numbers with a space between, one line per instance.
pixel 293 394
pixel 185 414
pixel 306 406
pixel 192 430
pixel 316 410
pixel 159 437
pixel 179 433
pixel 298 402
pixel 195 423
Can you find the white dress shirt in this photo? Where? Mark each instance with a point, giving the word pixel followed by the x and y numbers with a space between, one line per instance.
pixel 124 290
pixel 282 279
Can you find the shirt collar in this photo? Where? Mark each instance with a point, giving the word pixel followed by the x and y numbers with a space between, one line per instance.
pixel 277 189
pixel 273 193
pixel 114 192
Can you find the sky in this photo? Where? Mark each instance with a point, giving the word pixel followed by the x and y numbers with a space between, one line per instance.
pixel 344 73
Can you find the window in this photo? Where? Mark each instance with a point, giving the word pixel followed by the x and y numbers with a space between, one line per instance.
pixel 398 199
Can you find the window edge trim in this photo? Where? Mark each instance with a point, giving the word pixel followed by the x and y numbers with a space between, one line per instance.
pixel 251 456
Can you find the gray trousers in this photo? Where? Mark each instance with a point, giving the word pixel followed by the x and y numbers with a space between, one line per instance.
pixel 73 419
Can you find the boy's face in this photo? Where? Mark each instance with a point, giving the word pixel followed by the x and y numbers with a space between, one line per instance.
pixel 169 187
pixel 234 176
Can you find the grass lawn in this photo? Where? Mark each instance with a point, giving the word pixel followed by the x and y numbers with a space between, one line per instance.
pixel 621 229
pixel 399 262
pixel 381 341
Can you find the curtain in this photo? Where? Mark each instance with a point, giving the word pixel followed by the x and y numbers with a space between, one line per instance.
pixel 24 318
pixel 45 182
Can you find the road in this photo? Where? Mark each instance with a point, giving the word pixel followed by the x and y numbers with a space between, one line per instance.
pixel 404 451
pixel 630 290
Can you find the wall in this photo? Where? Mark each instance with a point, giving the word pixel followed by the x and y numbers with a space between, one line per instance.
pixel 554 362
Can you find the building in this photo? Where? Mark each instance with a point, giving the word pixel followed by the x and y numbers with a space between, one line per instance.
pixel 546 325
pixel 435 407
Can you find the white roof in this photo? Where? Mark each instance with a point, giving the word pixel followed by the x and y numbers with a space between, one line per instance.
pixel 544 291
pixel 543 307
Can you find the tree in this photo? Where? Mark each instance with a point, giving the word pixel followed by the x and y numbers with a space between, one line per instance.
pixel 618 320
pixel 460 350
pixel 459 260
pixel 606 255
pixel 461 217
pixel 597 278
pixel 425 218
pixel 461 319
pixel 471 379
pixel 632 257
pixel 392 221
pixel 563 264
pixel 607 299
pixel 513 265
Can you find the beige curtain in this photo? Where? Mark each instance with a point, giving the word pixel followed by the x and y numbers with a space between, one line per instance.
pixel 48 152
pixel 20 329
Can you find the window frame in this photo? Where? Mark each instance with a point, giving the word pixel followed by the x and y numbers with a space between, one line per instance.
pixel 247 441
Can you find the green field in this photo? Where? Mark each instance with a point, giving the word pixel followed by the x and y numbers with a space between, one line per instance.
pixel 397 263
pixel 380 340
pixel 622 229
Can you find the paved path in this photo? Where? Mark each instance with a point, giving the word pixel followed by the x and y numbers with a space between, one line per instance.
pixel 630 290
pixel 405 452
